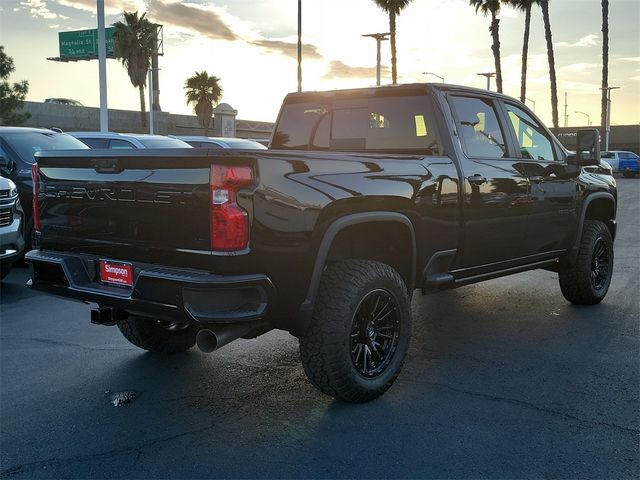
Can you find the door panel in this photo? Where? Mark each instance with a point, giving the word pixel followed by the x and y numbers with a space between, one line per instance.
pixel 495 208
pixel 552 193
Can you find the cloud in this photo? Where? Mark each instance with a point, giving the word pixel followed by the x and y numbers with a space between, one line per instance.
pixel 112 7
pixel 39 9
pixel 202 19
pixel 578 67
pixel 591 40
pixel 339 69
pixel 196 19
pixel 288 49
pixel 630 59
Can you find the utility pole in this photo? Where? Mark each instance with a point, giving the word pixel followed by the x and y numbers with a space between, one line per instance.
pixel 489 76
pixel 102 67
pixel 380 37
pixel 566 116
pixel 607 126
pixel 299 45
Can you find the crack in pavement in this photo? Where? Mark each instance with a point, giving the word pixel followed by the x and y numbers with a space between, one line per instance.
pixel 523 403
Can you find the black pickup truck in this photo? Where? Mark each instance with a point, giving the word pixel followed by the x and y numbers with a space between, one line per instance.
pixel 363 197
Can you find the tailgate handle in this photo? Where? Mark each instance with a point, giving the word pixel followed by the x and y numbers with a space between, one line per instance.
pixel 107 165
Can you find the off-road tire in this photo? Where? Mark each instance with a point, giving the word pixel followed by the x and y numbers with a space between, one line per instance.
pixel 326 348
pixel 576 280
pixel 157 337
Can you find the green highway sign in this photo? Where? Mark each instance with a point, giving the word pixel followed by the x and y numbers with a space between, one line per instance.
pixel 83 43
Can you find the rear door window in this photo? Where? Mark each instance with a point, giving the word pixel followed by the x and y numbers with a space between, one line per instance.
pixel 118 144
pixel 96 142
pixel 479 127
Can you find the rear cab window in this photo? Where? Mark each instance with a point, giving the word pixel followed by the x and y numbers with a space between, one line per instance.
pixel 398 123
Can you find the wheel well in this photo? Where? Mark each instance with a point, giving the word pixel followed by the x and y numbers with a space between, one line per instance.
pixel 386 242
pixel 601 209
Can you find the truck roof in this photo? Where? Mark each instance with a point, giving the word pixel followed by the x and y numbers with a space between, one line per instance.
pixel 390 90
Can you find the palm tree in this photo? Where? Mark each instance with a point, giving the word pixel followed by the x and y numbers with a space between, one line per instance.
pixel 492 7
pixel 605 63
pixel 393 8
pixel 135 42
pixel 203 91
pixel 544 4
pixel 525 6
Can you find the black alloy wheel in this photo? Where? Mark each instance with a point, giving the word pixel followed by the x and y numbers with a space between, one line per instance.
pixel 599 264
pixel 375 333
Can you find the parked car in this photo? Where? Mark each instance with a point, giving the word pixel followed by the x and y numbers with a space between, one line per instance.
pixel 64 101
pixel 17 148
pixel 11 226
pixel 113 140
pixel 629 164
pixel 616 157
pixel 220 142
pixel 364 197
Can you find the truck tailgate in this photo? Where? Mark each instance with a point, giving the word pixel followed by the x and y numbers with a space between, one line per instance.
pixel 123 204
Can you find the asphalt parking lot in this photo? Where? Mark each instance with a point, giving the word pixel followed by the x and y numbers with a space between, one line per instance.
pixel 504 379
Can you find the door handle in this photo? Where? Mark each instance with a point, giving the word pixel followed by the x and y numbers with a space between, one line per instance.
pixel 476 179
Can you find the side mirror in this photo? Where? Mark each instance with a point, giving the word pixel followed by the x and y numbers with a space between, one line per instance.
pixel 588 148
pixel 4 162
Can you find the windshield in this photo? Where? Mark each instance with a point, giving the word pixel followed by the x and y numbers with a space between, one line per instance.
pixel 399 124
pixel 163 143
pixel 26 144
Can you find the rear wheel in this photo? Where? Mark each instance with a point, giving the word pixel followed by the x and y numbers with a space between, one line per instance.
pixel 359 337
pixel 158 336
pixel 587 281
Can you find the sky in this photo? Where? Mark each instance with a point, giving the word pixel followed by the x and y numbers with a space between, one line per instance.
pixel 251 46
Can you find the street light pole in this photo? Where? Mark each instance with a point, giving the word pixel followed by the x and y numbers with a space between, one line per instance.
pixel 102 67
pixel 534 103
pixel 607 126
pixel 588 117
pixel 379 37
pixel 434 74
pixel 489 76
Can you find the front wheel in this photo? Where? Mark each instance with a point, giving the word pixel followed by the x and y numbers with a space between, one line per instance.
pixel 158 336
pixel 360 331
pixel 587 281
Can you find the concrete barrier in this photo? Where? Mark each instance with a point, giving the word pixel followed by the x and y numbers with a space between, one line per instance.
pixel 71 118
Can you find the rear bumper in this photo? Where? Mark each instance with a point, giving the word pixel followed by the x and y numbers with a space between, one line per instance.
pixel 184 295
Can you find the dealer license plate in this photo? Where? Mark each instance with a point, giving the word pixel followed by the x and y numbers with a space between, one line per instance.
pixel 116 273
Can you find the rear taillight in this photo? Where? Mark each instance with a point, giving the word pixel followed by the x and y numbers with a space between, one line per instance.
pixel 36 207
pixel 229 222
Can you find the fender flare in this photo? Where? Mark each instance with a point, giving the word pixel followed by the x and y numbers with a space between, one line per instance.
pixel 572 254
pixel 330 234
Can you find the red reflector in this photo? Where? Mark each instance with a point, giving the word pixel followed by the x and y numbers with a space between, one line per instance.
pixel 118 273
pixel 229 222
pixel 36 207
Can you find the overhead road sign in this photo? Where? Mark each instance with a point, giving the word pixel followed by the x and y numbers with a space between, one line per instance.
pixel 80 45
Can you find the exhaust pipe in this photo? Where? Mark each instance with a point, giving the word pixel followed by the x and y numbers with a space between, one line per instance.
pixel 215 337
